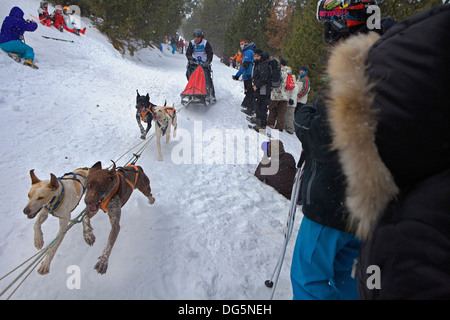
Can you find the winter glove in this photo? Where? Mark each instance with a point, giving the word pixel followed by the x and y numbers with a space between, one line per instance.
pixel 235 77
pixel 143 136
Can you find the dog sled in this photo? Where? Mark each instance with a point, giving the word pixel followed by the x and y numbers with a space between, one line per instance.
pixel 197 90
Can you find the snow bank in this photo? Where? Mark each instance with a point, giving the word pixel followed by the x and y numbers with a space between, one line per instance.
pixel 215 232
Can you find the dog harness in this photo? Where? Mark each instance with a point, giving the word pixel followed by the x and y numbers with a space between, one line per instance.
pixel 58 199
pixel 164 125
pixel 120 173
pixel 145 112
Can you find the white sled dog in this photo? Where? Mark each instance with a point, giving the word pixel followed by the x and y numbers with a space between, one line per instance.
pixel 59 197
pixel 164 117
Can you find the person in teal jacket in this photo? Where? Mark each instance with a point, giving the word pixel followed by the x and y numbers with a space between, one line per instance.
pixel 11 36
pixel 246 72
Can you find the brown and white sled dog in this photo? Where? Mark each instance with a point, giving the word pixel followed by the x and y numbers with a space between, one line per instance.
pixel 109 190
pixel 57 196
pixel 164 117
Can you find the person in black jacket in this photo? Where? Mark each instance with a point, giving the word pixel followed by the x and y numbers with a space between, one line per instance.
pixel 261 86
pixel 393 140
pixel 326 248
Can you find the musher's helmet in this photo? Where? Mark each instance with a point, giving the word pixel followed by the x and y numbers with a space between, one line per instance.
pixel 342 18
pixel 198 33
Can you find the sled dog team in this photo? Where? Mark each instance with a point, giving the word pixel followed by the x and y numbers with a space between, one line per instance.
pixel 105 189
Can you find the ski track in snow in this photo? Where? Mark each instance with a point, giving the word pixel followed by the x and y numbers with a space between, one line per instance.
pixel 214 232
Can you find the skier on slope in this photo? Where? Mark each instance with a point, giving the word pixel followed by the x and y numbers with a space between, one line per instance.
pixel 44 17
pixel 12 35
pixel 69 22
pixel 59 23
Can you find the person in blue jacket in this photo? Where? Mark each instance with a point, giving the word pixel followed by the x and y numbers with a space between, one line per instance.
pixel 11 37
pixel 246 72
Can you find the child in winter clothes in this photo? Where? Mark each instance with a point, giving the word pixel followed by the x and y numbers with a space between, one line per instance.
pixel 325 250
pixel 279 99
pixel 11 36
pixel 282 163
pixel 44 16
pixel 302 89
pixel 58 21
pixel 68 20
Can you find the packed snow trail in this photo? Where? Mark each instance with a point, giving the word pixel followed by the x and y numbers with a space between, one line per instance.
pixel 214 232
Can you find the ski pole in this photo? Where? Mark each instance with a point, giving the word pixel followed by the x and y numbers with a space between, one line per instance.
pixel 290 223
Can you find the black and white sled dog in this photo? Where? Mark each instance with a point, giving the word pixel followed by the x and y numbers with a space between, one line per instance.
pixel 144 113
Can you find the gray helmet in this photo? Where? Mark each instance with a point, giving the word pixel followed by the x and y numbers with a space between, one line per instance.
pixel 198 33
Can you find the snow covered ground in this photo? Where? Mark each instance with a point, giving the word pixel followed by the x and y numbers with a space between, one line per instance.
pixel 215 231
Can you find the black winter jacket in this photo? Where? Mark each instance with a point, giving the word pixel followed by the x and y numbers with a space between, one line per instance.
pixel 323 190
pixel 392 133
pixel 261 76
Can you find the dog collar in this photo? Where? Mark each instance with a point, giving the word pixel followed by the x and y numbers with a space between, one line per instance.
pixel 56 201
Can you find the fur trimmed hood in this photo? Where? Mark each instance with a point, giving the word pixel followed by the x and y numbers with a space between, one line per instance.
pixel 370 185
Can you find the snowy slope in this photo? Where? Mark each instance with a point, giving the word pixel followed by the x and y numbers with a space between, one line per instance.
pixel 215 231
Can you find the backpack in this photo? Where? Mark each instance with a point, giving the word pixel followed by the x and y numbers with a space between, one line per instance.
pixel 275 70
pixel 290 83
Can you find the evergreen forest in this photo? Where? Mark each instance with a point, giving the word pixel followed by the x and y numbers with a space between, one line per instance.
pixel 282 28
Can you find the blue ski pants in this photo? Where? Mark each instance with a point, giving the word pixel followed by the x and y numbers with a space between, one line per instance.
pixel 322 263
pixel 21 49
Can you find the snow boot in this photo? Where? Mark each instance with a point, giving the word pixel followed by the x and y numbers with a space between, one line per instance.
pixel 14 56
pixel 248 112
pixel 83 31
pixel 30 63
pixel 260 129
pixel 254 120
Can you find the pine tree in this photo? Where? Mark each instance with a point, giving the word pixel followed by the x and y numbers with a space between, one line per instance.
pixel 304 45
pixel 250 21
pixel 213 17
pixel 278 25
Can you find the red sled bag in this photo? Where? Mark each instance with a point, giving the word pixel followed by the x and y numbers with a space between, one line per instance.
pixel 290 83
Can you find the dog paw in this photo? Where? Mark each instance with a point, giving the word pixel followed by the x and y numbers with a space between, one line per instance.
pixel 160 159
pixel 151 200
pixel 102 265
pixel 44 269
pixel 143 136
pixel 89 238
pixel 38 241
